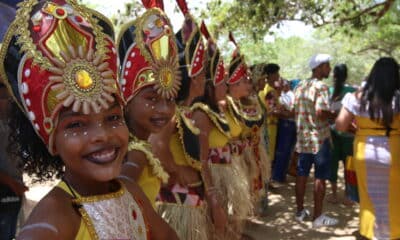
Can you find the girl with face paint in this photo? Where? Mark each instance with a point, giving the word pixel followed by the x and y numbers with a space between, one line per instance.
pixel 246 117
pixel 183 202
pixel 69 123
pixel 150 82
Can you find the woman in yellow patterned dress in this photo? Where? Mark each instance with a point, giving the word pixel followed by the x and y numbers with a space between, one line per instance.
pixel 376 112
pixel 149 91
pixel 60 65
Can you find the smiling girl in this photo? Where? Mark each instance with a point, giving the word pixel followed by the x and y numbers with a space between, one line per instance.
pixel 150 82
pixel 59 64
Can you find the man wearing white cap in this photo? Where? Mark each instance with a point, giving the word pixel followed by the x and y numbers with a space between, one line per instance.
pixel 312 111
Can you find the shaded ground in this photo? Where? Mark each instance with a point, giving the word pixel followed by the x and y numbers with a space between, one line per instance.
pixel 279 223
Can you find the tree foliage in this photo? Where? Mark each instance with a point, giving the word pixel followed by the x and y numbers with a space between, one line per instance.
pixel 254 18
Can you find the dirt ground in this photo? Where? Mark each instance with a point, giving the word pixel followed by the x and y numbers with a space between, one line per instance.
pixel 279 223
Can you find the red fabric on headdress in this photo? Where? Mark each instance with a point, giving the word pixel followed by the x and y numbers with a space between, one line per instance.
pixel 183 6
pixel 189 30
pixel 217 74
pixel 66 61
pixel 237 62
pixel 204 30
pixel 153 3
pixel 232 39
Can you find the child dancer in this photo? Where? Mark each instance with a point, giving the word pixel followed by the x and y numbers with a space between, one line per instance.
pixel 60 67
pixel 227 182
pixel 183 202
pixel 150 82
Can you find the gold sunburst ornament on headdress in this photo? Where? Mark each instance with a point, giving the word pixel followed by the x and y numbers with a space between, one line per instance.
pixel 83 81
pixel 167 71
pixel 149 56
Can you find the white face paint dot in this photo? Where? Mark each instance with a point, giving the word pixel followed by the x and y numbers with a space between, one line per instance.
pixel 24 88
pixel 123 81
pixel 129 64
pixel 28 102
pixel 27 73
pixel 31 116
pixel 37 126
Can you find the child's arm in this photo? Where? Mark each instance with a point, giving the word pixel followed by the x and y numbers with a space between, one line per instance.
pixel 53 218
pixel 133 167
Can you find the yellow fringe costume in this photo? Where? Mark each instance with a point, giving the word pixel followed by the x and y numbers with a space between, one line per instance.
pixel 253 145
pixel 229 182
pixel 184 208
pixel 153 173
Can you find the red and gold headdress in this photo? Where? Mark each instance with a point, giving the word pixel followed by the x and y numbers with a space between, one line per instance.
pixel 57 55
pixel 190 44
pixel 237 67
pixel 149 54
pixel 215 68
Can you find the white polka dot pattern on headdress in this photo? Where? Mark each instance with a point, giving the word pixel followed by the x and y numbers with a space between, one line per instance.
pixel 32 116
pixel 123 81
pixel 27 73
pixel 24 88
pixel 129 64
pixel 28 102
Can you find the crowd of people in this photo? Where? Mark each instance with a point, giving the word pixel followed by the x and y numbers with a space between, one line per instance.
pixel 154 136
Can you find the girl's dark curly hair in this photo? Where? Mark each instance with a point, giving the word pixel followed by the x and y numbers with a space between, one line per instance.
pixel 25 144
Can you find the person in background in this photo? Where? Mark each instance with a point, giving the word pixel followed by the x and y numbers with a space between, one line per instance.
pixel 376 111
pixel 342 141
pixel 271 104
pixel 286 137
pixel 11 186
pixel 312 112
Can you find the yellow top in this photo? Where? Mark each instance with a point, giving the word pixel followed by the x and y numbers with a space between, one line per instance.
pixel 216 139
pixel 150 184
pixel 153 173
pixel 234 125
pixel 176 143
pixel 177 150
pixel 83 232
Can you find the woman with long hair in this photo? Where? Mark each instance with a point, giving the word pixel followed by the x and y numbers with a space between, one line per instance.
pixel 376 112
pixel 342 141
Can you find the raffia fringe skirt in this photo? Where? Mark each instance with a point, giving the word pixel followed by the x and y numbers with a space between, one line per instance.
pixel 233 190
pixel 189 222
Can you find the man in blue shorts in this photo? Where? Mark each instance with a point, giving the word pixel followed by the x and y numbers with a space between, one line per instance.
pixel 312 111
